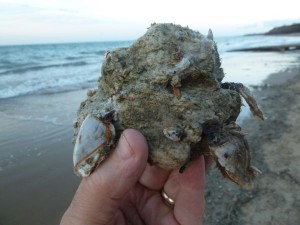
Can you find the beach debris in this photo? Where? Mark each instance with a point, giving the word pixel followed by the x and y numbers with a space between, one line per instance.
pixel 168 85
pixel 93 143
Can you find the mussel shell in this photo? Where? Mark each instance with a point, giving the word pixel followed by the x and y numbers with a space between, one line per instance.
pixel 92 139
pixel 231 151
pixel 233 159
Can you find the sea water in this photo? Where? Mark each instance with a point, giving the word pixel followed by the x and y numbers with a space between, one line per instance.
pixel 51 68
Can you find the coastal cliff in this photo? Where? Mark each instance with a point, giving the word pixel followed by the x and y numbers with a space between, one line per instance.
pixel 288 29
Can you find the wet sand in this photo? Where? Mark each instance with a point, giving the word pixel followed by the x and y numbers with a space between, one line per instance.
pixel 36 177
pixel 37 182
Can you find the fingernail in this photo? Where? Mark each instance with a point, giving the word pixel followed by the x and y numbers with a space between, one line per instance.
pixel 126 150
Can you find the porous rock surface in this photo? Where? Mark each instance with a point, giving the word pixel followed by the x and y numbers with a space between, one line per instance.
pixel 170 77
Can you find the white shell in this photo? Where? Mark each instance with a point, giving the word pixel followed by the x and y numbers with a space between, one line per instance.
pixel 91 144
pixel 173 133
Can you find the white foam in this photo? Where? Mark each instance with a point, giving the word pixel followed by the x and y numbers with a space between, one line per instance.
pixel 45 118
pixel 17 86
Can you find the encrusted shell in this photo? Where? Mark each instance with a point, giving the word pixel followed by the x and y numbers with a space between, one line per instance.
pixel 92 146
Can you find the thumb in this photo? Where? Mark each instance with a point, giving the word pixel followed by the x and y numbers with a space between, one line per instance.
pixel 98 196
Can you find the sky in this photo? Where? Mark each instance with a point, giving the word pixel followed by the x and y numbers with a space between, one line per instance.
pixel 58 21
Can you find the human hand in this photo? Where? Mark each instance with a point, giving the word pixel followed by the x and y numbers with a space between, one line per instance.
pixel 127 190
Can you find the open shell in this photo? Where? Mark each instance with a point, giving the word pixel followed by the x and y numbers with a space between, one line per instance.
pixel 231 151
pixel 92 145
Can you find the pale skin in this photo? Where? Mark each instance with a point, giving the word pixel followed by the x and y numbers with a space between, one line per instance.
pixel 127 190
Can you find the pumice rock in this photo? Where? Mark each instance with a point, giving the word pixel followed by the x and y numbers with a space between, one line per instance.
pixel 167 84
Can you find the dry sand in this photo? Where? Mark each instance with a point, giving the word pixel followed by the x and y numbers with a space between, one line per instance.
pixel 275 147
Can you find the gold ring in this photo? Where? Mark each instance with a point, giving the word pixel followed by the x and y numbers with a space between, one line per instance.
pixel 167 200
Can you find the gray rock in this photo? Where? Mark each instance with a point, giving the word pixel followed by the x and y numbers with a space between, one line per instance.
pixel 170 77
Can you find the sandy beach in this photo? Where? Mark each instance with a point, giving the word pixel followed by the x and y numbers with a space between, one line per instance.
pixel 275 151
pixel 37 181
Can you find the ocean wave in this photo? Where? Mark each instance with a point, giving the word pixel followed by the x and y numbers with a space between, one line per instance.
pixel 43 87
pixel 45 118
pixel 101 52
pixel 6 65
pixel 42 67
pixel 73 57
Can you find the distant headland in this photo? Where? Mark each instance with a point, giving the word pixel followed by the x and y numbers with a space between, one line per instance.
pixel 288 30
pixel 293 29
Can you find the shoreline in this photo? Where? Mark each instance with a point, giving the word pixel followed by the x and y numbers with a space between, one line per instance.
pixel 274 147
pixel 269 48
